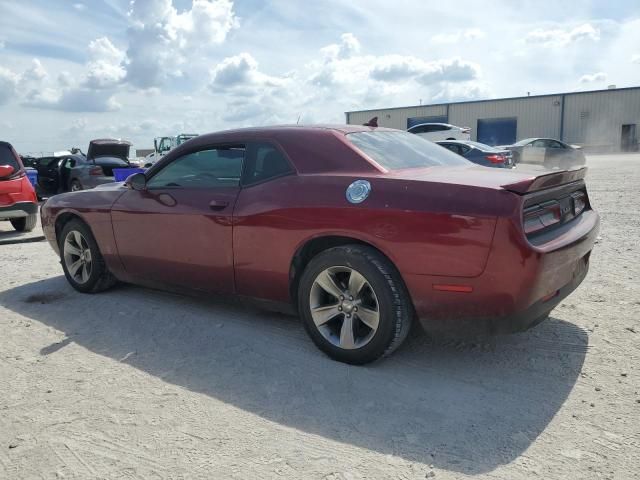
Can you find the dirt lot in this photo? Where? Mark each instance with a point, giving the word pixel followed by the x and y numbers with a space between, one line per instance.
pixel 135 383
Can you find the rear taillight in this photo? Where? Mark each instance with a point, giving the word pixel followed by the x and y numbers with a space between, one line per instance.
pixel 541 216
pixel 96 171
pixel 495 158
pixel 579 202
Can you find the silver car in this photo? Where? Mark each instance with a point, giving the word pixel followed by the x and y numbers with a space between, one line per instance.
pixel 97 168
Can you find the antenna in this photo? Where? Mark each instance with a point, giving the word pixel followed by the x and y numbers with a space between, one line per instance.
pixel 298 122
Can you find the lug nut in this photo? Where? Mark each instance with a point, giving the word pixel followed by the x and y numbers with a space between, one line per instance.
pixel 348 315
pixel 340 308
pixel 355 309
pixel 350 298
pixel 341 297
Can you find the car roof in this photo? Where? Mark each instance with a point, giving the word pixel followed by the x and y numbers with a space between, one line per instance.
pixel 311 148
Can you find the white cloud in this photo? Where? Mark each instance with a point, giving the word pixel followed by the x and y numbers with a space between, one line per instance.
pixel 35 73
pixel 594 77
pixel 559 37
pixel 104 70
pixel 457 36
pixel 635 58
pixel 8 83
pixel 161 40
pixel 241 70
pixel 75 99
pixel 80 7
pixel 349 46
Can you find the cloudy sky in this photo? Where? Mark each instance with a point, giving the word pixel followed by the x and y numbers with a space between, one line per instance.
pixel 80 69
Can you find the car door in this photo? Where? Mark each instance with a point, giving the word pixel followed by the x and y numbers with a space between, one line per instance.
pixel 178 230
pixel 534 152
pixel 48 175
pixel 557 155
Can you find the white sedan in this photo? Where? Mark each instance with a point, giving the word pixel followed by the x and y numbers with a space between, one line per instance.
pixel 441 131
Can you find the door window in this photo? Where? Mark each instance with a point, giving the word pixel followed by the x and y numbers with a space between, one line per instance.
pixel 264 161
pixel 539 144
pixel 215 167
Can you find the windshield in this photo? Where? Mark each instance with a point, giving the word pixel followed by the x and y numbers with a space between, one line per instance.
pixel 397 150
pixel 524 142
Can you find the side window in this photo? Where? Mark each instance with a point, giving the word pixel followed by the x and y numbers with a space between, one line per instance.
pixel 264 161
pixel 464 149
pixel 215 167
pixel 539 144
pixel 554 144
pixel 419 129
pixel 452 147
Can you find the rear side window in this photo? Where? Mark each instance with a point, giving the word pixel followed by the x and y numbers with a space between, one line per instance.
pixel 7 157
pixel 215 167
pixel 264 161
pixel 397 150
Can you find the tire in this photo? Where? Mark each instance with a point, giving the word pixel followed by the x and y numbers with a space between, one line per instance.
pixel 383 292
pixel 75 186
pixel 91 278
pixel 25 224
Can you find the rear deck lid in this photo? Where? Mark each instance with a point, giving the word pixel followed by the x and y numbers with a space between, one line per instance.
pixel 108 147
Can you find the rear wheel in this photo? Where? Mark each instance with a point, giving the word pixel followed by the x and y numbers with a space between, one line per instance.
pixel 76 186
pixel 82 261
pixel 354 304
pixel 25 224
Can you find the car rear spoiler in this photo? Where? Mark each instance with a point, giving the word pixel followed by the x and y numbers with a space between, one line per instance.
pixel 548 180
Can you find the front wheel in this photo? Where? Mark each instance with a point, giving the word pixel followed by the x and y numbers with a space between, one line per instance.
pixel 82 261
pixel 25 224
pixel 354 305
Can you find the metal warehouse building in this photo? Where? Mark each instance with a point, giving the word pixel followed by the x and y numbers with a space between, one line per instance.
pixel 599 120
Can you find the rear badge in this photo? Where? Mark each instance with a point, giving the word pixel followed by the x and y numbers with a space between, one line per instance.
pixel 358 191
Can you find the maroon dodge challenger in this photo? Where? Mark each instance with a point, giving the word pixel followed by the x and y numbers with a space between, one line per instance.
pixel 360 229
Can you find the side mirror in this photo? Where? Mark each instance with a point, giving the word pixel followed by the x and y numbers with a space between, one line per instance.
pixel 6 170
pixel 137 181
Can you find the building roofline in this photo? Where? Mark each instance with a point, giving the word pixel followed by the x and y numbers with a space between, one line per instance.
pixel 464 102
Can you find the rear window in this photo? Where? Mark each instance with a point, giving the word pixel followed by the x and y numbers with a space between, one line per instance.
pixel 397 150
pixel 110 161
pixel 7 157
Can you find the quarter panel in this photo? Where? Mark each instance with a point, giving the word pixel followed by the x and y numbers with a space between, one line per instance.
pixel 424 228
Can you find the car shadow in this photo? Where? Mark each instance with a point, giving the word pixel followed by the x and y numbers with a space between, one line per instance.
pixel 464 407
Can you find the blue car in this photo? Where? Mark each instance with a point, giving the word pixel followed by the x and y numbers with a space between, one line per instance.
pixel 480 153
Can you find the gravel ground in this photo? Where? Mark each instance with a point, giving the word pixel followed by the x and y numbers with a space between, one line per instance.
pixel 135 383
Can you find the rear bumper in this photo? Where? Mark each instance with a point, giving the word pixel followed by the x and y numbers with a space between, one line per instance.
pixel 520 284
pixel 18 210
pixel 516 322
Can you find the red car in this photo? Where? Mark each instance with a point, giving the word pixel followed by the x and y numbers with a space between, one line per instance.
pixel 359 229
pixel 18 202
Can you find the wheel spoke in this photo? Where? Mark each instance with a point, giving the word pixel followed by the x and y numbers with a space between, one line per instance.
pixel 72 249
pixel 78 239
pixel 346 333
pixel 85 272
pixel 370 318
pixel 356 282
pixel 322 315
pixel 73 268
pixel 87 255
pixel 328 284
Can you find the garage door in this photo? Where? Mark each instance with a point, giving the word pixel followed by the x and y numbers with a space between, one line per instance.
pixel 497 131
pixel 432 119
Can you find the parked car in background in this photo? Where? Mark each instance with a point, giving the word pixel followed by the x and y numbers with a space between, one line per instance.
pixel 441 131
pixel 18 202
pixel 96 169
pixel 479 153
pixel 53 173
pixel 550 153
pixel 358 229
